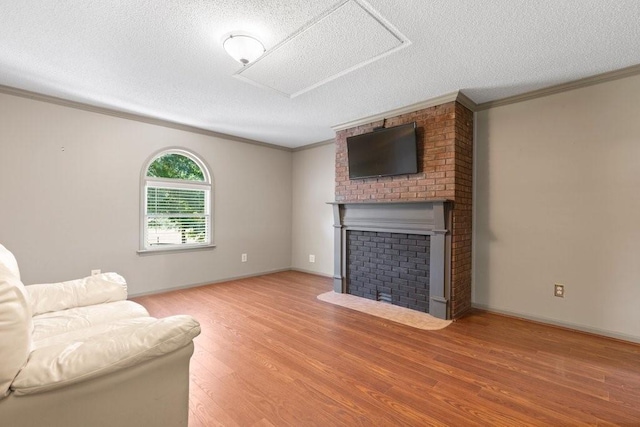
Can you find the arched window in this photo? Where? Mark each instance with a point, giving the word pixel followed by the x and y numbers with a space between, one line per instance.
pixel 176 205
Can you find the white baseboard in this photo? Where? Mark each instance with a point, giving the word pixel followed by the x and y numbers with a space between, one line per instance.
pixel 315 273
pixel 553 322
pixel 211 282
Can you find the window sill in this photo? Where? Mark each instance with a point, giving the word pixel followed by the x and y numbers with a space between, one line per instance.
pixel 145 252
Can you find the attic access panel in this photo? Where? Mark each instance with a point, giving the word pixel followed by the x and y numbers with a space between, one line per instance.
pixel 346 37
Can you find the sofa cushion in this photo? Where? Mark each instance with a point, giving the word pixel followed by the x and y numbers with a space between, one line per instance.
pixel 98 289
pixel 15 327
pixel 7 258
pixel 54 324
pixel 114 347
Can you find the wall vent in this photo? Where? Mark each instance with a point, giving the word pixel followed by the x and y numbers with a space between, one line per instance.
pixel 384 297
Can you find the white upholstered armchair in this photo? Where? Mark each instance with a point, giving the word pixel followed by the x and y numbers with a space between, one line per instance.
pixel 77 353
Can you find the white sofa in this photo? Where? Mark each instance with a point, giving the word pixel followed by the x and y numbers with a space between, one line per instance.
pixel 78 354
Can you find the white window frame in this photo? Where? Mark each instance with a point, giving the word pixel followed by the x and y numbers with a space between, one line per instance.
pixel 206 185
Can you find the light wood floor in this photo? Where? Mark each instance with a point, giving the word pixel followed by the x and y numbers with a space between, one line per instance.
pixel 271 354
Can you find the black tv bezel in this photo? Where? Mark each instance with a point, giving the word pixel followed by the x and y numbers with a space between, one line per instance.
pixel 413 125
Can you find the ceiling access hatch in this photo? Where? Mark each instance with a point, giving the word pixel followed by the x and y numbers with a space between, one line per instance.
pixel 348 36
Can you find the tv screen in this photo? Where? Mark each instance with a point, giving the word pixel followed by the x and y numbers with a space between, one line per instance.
pixel 384 152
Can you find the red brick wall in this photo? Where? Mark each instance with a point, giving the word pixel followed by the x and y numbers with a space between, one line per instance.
pixel 445 151
pixel 462 213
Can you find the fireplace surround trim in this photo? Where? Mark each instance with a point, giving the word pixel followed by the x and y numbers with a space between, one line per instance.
pixel 430 217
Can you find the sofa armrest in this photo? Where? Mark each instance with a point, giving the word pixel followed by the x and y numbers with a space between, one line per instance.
pixel 125 344
pixel 98 289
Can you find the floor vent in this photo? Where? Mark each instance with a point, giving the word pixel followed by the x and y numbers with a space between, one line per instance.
pixel 384 297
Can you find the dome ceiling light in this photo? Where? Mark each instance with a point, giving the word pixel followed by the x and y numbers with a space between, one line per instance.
pixel 243 48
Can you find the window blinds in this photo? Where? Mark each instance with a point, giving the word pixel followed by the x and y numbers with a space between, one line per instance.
pixel 176 216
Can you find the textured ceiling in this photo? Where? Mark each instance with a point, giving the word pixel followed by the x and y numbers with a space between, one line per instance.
pixel 327 61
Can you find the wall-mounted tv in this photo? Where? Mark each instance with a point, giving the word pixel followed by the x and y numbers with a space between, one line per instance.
pixel 383 152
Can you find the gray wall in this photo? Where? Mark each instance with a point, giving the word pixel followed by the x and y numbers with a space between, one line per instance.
pixel 64 213
pixel 313 186
pixel 558 201
pixel 557 181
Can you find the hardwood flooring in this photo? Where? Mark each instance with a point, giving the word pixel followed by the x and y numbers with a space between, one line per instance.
pixel 271 354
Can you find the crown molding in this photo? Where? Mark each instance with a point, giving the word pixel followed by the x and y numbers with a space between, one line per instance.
pixel 458 96
pixel 466 101
pixel 450 97
pixel 8 90
pixel 314 145
pixel 563 87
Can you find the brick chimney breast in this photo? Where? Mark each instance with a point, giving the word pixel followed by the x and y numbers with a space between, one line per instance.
pixel 445 163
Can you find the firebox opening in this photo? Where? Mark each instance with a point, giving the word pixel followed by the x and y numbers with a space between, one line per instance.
pixel 389 267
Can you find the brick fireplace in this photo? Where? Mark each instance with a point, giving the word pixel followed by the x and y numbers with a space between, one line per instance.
pixel 425 272
pixel 436 202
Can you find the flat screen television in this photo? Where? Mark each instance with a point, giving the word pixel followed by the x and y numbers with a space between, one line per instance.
pixel 384 152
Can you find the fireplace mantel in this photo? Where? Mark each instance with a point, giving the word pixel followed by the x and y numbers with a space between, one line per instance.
pixel 430 217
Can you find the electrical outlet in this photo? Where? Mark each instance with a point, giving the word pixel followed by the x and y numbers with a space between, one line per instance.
pixel 312 258
pixel 95 272
pixel 558 290
pixel 244 258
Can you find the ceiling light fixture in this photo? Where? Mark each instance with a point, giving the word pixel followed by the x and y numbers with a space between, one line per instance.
pixel 243 48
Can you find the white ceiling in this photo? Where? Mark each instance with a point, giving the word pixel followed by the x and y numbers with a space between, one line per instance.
pixel 327 62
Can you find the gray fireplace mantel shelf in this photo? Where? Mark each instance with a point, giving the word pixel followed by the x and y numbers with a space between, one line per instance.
pixel 389 202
